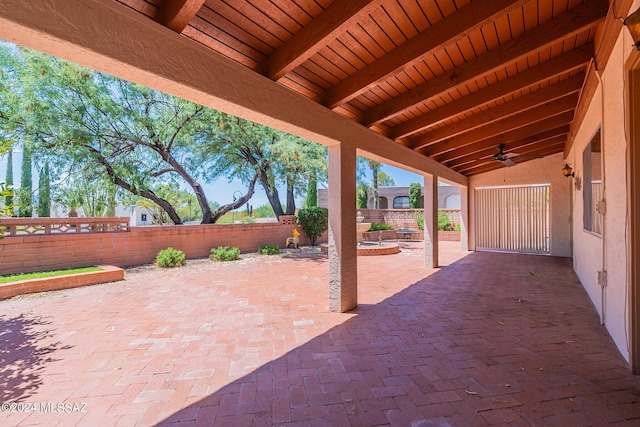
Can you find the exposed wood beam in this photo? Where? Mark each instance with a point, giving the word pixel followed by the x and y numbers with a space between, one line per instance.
pixel 541 112
pixel 508 137
pixel 315 35
pixel 488 167
pixel 176 14
pixel 443 33
pixel 523 147
pixel 554 136
pixel 569 23
pixel 573 60
pixel 607 40
pixel 588 92
pixel 502 111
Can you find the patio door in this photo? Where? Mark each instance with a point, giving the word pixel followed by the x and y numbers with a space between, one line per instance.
pixel 514 219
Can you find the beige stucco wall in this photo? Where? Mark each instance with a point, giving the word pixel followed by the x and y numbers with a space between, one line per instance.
pixel 540 171
pixel 607 252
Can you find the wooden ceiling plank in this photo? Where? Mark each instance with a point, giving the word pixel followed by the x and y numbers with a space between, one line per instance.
pixel 176 14
pixel 315 35
pixel 502 111
pixel 509 136
pixel 519 147
pixel 446 31
pixel 497 165
pixel 566 25
pixel 573 60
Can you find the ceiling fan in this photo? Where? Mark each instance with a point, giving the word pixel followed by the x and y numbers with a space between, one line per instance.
pixel 505 158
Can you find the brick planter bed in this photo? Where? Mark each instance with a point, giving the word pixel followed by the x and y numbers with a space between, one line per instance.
pixel 107 274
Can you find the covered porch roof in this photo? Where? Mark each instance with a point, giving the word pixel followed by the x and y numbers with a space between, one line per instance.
pixel 432 86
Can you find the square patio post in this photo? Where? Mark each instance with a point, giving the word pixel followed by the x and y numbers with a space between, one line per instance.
pixel 343 289
pixel 464 218
pixel 430 221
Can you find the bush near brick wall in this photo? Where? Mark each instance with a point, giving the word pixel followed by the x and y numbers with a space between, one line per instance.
pixel 139 246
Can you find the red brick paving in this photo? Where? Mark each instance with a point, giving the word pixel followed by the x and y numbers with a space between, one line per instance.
pixel 489 339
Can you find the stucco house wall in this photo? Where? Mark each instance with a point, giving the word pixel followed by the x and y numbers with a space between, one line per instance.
pixel 607 252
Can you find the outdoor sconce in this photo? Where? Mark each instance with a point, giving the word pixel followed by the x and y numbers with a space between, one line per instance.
pixel 633 24
pixel 567 171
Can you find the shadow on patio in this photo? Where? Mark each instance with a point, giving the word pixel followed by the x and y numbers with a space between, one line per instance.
pixel 490 339
pixel 23 356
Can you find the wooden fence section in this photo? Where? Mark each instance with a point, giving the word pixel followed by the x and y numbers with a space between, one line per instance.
pixel 35 252
pixel 40 226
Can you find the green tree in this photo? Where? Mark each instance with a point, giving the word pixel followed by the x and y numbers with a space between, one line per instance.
pixel 6 192
pixel 314 222
pixel 44 192
pixel 98 125
pixel 312 193
pixel 25 194
pixel 375 168
pixel 69 196
pixel 415 195
pixel 385 180
pixel 362 196
pixel 241 149
pixel 8 200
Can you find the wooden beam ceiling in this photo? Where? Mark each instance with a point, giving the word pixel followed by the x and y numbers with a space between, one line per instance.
pixel 315 35
pixel 449 79
pixel 446 32
pixel 176 14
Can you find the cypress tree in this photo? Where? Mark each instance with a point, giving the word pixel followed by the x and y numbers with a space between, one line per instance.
pixel 312 193
pixel 8 201
pixel 44 192
pixel 26 186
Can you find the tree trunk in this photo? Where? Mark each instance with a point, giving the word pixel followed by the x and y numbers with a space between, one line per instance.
pixel 148 194
pixel 207 214
pixel 241 201
pixel 291 201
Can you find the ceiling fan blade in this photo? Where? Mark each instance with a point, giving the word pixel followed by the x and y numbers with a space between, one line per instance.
pixel 507 162
pixel 527 156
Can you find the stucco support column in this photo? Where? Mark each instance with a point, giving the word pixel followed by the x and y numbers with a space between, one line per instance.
pixel 464 219
pixel 343 289
pixel 430 221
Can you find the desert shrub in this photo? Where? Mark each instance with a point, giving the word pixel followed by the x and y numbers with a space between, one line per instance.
pixel 269 250
pixel 419 217
pixel 314 222
pixel 170 257
pixel 225 253
pixel 443 222
pixel 379 226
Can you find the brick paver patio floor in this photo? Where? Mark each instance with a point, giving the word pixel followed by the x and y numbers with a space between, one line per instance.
pixel 489 339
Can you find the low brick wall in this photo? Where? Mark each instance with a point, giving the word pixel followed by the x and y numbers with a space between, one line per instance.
pixel 22 254
pixel 108 274
pixel 449 236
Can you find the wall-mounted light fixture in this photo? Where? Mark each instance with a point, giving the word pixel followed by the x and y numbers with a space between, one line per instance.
pixel 567 171
pixel 633 24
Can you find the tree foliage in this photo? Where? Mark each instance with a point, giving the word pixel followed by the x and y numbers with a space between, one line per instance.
pixel 25 193
pixel 8 190
pixel 44 192
pixel 89 124
pixel 362 196
pixel 314 222
pixel 415 195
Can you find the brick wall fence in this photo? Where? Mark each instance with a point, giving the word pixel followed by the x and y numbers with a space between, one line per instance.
pixel 403 218
pixel 138 245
